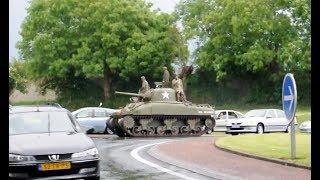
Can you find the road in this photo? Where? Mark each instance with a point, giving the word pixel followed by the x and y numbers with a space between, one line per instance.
pixel 136 158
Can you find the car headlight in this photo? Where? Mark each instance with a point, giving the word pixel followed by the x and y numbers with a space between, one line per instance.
pixel 20 158
pixel 88 153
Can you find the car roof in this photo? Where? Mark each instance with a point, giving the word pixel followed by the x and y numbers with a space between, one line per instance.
pixel 35 108
pixel 84 108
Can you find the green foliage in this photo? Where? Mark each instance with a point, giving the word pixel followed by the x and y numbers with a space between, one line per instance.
pixel 258 40
pixel 96 39
pixel 17 76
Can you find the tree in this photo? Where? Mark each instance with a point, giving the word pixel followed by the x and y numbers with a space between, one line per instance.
pixel 96 39
pixel 17 76
pixel 258 37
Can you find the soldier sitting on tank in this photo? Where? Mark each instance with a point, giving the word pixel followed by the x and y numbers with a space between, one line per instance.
pixel 144 87
pixel 165 77
pixel 178 87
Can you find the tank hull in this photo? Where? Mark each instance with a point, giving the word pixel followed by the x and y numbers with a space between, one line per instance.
pixel 158 119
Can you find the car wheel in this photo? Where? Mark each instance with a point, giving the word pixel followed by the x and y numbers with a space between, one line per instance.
pixel 108 131
pixel 260 129
pixel 234 134
pixel 288 130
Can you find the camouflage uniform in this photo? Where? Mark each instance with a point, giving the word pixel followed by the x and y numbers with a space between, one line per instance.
pixel 178 87
pixel 145 85
pixel 165 77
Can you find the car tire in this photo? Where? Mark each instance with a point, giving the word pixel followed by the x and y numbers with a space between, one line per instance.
pixel 233 134
pixel 288 130
pixel 260 129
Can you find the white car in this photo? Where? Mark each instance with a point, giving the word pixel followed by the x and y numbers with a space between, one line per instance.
pixel 260 121
pixel 223 116
pixel 94 117
pixel 305 127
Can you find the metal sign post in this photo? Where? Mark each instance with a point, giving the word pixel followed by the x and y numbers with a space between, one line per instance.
pixel 289 104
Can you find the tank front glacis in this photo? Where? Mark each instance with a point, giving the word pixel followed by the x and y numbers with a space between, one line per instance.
pixel 162 115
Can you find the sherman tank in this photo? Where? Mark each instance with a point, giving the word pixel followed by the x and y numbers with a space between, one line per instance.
pixel 158 113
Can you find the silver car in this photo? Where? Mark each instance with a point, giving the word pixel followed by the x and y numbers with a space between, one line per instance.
pixel 94 117
pixel 223 116
pixel 305 127
pixel 260 121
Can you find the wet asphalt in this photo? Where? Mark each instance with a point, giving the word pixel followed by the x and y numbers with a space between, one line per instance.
pixel 116 162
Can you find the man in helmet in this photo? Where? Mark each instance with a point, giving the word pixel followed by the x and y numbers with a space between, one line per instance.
pixel 144 85
pixel 165 77
pixel 178 87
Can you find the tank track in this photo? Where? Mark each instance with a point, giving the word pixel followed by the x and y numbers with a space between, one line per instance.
pixel 161 125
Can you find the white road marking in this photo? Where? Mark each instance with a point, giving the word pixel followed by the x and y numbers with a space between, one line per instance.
pixel 134 154
pixel 289 97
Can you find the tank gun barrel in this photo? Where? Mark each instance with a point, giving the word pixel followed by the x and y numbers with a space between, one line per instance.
pixel 129 94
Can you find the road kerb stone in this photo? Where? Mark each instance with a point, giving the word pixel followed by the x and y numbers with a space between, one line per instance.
pixel 262 158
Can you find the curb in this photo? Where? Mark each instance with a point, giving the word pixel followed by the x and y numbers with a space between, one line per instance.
pixel 262 158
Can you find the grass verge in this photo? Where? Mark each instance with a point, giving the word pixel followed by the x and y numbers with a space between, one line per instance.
pixel 273 145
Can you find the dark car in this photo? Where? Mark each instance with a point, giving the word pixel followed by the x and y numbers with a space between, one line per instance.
pixel 46 142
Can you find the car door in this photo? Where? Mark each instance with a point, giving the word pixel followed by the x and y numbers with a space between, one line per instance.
pixel 83 117
pixel 271 123
pixel 282 120
pixel 221 120
pixel 231 116
pixel 100 120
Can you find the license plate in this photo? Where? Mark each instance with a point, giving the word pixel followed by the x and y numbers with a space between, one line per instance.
pixel 54 166
pixel 235 126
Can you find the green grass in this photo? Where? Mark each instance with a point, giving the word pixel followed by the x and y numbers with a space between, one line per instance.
pixel 273 145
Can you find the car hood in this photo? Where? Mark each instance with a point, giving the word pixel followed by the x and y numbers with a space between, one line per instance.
pixel 49 143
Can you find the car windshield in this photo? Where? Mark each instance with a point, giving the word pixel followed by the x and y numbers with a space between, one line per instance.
pixel 256 113
pixel 40 122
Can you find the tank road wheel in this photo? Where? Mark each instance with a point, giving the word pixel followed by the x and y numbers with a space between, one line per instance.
pixel 175 130
pixel 185 130
pixel 209 123
pixel 160 130
pixel 136 130
pixel 151 131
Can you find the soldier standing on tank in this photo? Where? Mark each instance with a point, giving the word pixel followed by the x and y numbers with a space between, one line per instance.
pixel 145 85
pixel 165 77
pixel 178 87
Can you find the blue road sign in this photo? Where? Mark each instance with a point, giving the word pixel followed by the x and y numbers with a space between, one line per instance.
pixel 289 96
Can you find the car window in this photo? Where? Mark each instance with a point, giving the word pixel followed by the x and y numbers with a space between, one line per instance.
pixel 40 122
pixel 256 113
pixel 222 115
pixel 239 115
pixel 271 113
pixel 232 115
pixel 100 113
pixel 280 113
pixel 84 113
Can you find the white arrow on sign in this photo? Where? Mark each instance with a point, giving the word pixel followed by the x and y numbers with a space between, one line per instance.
pixel 289 97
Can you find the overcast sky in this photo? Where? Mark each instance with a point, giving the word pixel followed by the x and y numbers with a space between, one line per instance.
pixel 17 12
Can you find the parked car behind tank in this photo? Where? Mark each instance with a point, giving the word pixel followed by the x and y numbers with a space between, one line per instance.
pixel 222 117
pixel 95 117
pixel 260 121
pixel 305 127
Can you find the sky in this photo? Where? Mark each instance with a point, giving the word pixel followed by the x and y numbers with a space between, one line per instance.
pixel 17 12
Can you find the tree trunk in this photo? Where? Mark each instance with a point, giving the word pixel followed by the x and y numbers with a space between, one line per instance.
pixel 106 80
